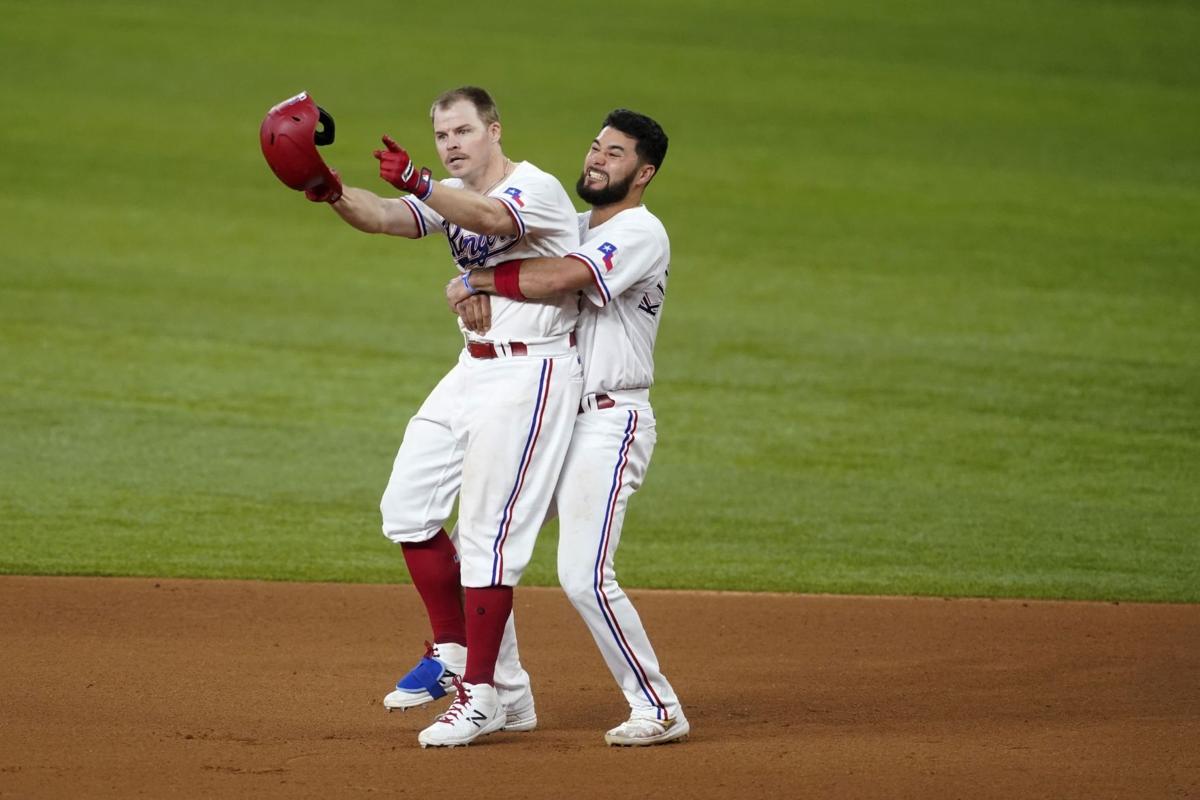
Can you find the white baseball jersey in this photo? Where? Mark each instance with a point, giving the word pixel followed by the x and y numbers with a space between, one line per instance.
pixel 629 256
pixel 545 227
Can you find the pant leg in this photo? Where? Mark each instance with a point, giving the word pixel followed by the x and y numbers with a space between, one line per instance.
pixel 519 419
pixel 606 463
pixel 512 681
pixel 427 471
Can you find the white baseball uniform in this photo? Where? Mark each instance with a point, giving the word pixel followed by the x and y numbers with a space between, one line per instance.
pixel 610 448
pixel 495 430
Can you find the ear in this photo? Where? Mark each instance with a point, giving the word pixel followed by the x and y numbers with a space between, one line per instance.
pixel 494 132
pixel 644 174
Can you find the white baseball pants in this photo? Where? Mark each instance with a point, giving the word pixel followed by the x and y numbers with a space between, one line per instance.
pixel 493 433
pixel 606 462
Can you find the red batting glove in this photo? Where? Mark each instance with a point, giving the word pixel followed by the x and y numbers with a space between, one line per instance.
pixel 396 168
pixel 329 190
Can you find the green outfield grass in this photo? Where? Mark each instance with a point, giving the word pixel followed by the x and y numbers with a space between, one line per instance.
pixel 933 324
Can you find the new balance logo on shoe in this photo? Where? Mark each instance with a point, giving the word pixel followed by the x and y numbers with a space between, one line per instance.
pixel 476 711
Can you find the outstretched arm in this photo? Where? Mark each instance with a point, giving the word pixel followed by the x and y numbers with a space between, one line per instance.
pixel 474 212
pixel 371 213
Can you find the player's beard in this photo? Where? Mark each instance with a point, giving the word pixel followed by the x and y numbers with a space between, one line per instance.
pixel 611 193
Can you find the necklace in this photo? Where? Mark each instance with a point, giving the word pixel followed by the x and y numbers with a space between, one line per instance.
pixel 508 167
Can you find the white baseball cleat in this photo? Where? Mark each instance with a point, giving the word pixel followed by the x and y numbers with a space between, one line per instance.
pixel 431 678
pixel 639 731
pixel 521 716
pixel 476 711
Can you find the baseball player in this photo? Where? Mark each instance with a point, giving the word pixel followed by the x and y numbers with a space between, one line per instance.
pixel 621 272
pixel 495 430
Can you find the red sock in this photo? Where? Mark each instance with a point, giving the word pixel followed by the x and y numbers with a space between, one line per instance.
pixel 488 611
pixel 433 565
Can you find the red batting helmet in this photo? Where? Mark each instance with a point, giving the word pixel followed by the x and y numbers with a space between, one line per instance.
pixel 289 137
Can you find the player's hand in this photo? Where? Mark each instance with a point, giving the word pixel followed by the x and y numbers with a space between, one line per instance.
pixel 457 291
pixel 476 313
pixel 329 190
pixel 396 168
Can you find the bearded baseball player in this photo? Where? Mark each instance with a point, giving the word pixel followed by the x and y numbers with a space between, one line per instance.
pixel 495 430
pixel 621 271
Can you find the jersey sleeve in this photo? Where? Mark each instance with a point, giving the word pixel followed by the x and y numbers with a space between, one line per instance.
pixel 619 259
pixel 428 220
pixel 539 206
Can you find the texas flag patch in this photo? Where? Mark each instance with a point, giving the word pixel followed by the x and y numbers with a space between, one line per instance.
pixel 515 194
pixel 608 249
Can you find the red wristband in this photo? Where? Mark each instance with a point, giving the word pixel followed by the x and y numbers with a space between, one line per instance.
pixel 508 280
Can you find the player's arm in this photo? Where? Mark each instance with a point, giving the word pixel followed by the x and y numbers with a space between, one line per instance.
pixel 474 212
pixel 530 279
pixel 371 213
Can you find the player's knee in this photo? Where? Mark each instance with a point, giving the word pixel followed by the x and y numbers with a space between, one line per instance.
pixel 400 529
pixel 578 582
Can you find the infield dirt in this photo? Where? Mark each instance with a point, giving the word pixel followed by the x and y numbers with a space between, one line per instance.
pixel 153 688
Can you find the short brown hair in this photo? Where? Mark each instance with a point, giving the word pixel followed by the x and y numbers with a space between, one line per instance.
pixel 485 106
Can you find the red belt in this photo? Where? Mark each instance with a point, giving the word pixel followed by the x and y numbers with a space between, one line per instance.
pixel 602 401
pixel 488 350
